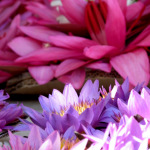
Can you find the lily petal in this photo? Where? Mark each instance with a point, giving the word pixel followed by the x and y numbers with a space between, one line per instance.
pixel 39 32
pixel 76 78
pixel 71 42
pixel 134 65
pixel 115 27
pixel 97 52
pixel 23 45
pixel 74 6
pixel 42 74
pixel 106 67
pixel 68 65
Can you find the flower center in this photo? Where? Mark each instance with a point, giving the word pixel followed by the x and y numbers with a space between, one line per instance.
pixel 95 17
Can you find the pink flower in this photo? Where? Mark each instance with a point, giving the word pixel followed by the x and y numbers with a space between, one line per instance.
pixel 106 23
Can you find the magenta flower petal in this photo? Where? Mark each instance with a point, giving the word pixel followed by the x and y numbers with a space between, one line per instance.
pixel 115 27
pixel 76 78
pixel 8 11
pixel 97 52
pixel 134 65
pixel 133 11
pixel 12 31
pixel 100 66
pixel 68 65
pixel 42 74
pixel 23 45
pixel 39 32
pixel 43 11
pixel 49 54
pixel 4 76
pixel 71 42
pixel 74 6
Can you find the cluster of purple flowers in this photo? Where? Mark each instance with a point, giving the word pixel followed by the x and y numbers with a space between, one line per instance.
pixel 62 40
pixel 94 120
pixel 9 114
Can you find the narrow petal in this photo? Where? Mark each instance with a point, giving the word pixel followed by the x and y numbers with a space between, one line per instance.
pixel 39 32
pixel 106 67
pixel 43 11
pixel 42 74
pixel 134 65
pixel 68 65
pixel 97 52
pixel 76 78
pixel 8 11
pixel 115 27
pixel 49 54
pixel 71 42
pixel 23 45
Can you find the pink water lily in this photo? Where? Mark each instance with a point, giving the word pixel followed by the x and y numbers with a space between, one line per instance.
pixel 116 41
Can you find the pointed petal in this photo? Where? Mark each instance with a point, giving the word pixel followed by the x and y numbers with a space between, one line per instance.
pixel 23 45
pixel 68 65
pixel 76 78
pixel 39 32
pixel 74 6
pixel 42 74
pixel 106 67
pixel 97 52
pixel 71 42
pixel 115 27
pixel 70 94
pixel 131 64
pixel 43 12
pixel 134 105
pixel 35 143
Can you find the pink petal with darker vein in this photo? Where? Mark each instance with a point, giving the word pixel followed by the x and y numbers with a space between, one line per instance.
pixel 42 74
pixel 68 65
pixel 39 32
pixel 71 42
pixel 115 27
pixel 23 45
pixel 76 78
pixel 97 52
pixel 134 65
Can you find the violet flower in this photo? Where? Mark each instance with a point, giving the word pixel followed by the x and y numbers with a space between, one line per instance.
pixel 65 110
pixel 9 113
